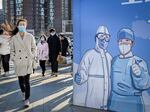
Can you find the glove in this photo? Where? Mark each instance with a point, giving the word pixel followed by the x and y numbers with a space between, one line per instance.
pixel 77 78
pixel 136 68
pixel 46 56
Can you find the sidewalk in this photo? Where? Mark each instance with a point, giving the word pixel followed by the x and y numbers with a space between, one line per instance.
pixel 48 94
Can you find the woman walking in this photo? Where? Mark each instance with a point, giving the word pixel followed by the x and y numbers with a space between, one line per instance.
pixel 23 50
pixel 5 38
pixel 42 53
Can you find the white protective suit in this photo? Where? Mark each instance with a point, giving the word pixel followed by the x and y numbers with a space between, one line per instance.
pixel 95 69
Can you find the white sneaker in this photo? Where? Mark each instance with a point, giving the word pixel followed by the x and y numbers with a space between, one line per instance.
pixel 23 96
pixel 26 103
pixel 4 75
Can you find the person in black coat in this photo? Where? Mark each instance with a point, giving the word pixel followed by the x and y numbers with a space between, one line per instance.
pixel 64 44
pixel 54 50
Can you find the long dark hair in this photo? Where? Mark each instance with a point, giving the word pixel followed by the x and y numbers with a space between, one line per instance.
pixel 8 27
pixel 1 31
pixel 44 37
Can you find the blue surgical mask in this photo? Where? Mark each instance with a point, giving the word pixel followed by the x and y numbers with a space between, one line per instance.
pixel 103 44
pixel 22 28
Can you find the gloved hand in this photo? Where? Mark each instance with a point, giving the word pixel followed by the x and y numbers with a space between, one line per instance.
pixel 46 57
pixel 136 68
pixel 77 78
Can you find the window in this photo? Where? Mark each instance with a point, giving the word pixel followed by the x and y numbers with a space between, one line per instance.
pixel 52 18
pixel 42 9
pixel 42 13
pixel 42 1
pixel 51 14
pixel 51 6
pixel 51 2
pixel 11 2
pixel 51 10
pixel 18 1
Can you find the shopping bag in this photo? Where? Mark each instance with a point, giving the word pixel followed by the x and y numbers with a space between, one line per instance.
pixel 68 60
pixel 35 63
pixel 61 59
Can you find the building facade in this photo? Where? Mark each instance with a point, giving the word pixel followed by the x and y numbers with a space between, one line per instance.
pixel 1 16
pixel 41 14
pixel 4 4
pixel 67 16
pixel 39 21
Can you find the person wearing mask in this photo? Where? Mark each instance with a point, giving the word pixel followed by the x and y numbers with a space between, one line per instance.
pixel 64 45
pixel 42 53
pixel 94 69
pixel 5 50
pixel 54 50
pixel 23 52
pixel 129 76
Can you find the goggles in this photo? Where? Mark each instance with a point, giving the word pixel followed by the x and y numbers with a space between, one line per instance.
pixel 103 36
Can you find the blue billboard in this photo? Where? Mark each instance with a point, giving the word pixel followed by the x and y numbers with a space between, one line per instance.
pixel 111 54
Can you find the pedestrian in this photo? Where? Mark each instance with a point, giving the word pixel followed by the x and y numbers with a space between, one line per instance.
pixel 1 32
pixel 23 49
pixel 5 50
pixel 42 52
pixel 54 50
pixel 64 45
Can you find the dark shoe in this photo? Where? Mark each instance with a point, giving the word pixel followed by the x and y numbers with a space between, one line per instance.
pixel 52 74
pixel 43 72
pixel 56 74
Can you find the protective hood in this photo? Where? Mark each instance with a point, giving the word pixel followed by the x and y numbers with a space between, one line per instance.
pixel 100 30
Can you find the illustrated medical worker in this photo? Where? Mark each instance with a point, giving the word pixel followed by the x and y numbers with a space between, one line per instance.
pixel 129 76
pixel 95 70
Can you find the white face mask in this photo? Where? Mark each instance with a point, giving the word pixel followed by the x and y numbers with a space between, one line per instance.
pixel 53 33
pixel 42 39
pixel 124 49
